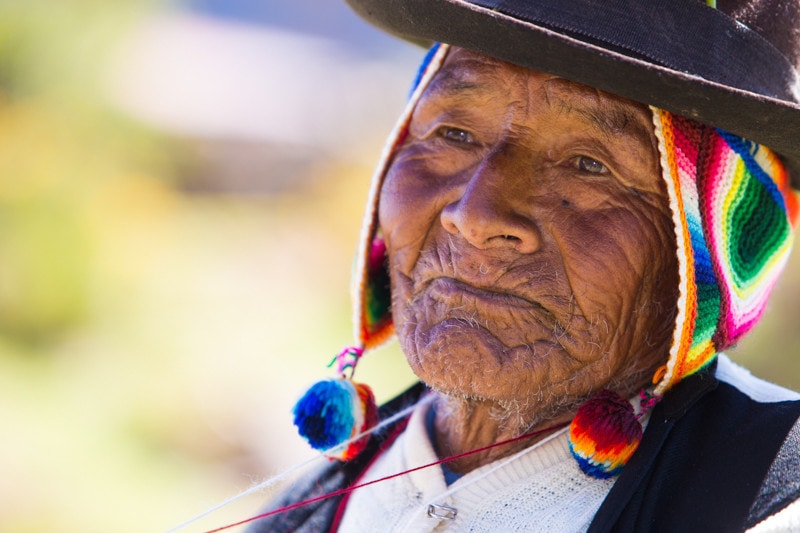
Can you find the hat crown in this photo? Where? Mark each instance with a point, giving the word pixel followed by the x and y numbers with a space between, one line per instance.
pixel 736 67
pixel 777 21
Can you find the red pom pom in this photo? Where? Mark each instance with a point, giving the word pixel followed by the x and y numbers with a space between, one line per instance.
pixel 604 434
pixel 368 420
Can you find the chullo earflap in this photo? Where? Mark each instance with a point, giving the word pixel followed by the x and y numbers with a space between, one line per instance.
pixel 734 215
pixel 335 410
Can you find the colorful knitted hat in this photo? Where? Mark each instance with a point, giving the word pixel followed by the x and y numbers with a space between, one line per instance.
pixel 734 213
pixel 333 412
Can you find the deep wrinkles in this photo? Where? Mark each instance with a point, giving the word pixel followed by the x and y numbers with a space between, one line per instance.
pixel 526 353
pixel 441 264
pixel 439 261
pixel 466 309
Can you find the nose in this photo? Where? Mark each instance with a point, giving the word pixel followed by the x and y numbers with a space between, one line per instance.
pixel 491 212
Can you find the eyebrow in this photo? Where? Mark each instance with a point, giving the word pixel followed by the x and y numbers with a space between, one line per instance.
pixel 615 121
pixel 609 118
pixel 606 113
pixel 455 82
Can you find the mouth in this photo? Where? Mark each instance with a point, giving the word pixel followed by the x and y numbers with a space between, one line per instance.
pixel 448 302
pixel 452 291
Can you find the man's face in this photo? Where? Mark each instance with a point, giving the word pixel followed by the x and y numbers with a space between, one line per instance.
pixel 531 249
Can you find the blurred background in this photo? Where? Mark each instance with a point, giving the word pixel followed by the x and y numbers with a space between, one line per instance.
pixel 181 187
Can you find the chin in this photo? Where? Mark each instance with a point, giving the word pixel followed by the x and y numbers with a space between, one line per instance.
pixel 525 386
pixel 469 362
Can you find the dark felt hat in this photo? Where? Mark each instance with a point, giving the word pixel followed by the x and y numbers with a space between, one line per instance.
pixel 736 66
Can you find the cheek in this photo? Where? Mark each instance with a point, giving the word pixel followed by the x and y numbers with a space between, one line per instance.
pixel 618 261
pixel 410 202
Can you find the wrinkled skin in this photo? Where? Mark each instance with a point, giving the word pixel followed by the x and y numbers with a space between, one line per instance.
pixel 532 253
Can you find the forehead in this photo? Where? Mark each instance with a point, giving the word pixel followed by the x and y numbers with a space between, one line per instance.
pixel 481 81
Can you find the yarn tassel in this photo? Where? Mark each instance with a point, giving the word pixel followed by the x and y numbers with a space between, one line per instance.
pixel 335 410
pixel 604 434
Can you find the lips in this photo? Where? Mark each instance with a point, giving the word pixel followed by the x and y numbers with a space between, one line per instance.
pixel 445 302
pixel 452 291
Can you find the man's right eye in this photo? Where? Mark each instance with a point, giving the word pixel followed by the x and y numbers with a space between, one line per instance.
pixel 455 135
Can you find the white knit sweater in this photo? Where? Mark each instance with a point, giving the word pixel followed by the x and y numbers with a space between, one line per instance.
pixel 540 489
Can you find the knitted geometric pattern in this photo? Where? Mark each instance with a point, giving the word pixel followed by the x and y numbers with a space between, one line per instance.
pixel 376 325
pixel 734 215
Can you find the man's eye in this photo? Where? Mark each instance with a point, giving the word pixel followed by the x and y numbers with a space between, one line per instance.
pixel 589 165
pixel 455 135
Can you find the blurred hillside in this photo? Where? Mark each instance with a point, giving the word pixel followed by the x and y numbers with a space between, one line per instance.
pixel 181 188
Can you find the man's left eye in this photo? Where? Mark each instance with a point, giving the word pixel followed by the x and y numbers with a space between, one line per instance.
pixel 589 165
pixel 456 135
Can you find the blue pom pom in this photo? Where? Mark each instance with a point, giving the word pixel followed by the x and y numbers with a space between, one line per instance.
pixel 324 415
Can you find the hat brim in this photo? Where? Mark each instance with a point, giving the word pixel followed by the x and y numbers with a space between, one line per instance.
pixel 768 120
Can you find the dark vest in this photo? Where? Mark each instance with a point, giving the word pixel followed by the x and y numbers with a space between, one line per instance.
pixel 704 465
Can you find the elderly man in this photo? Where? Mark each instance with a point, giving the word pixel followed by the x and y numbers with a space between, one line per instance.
pixel 564 235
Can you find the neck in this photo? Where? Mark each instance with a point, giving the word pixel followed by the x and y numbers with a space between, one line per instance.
pixel 462 425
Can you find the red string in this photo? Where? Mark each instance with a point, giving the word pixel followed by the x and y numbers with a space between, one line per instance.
pixel 345 490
